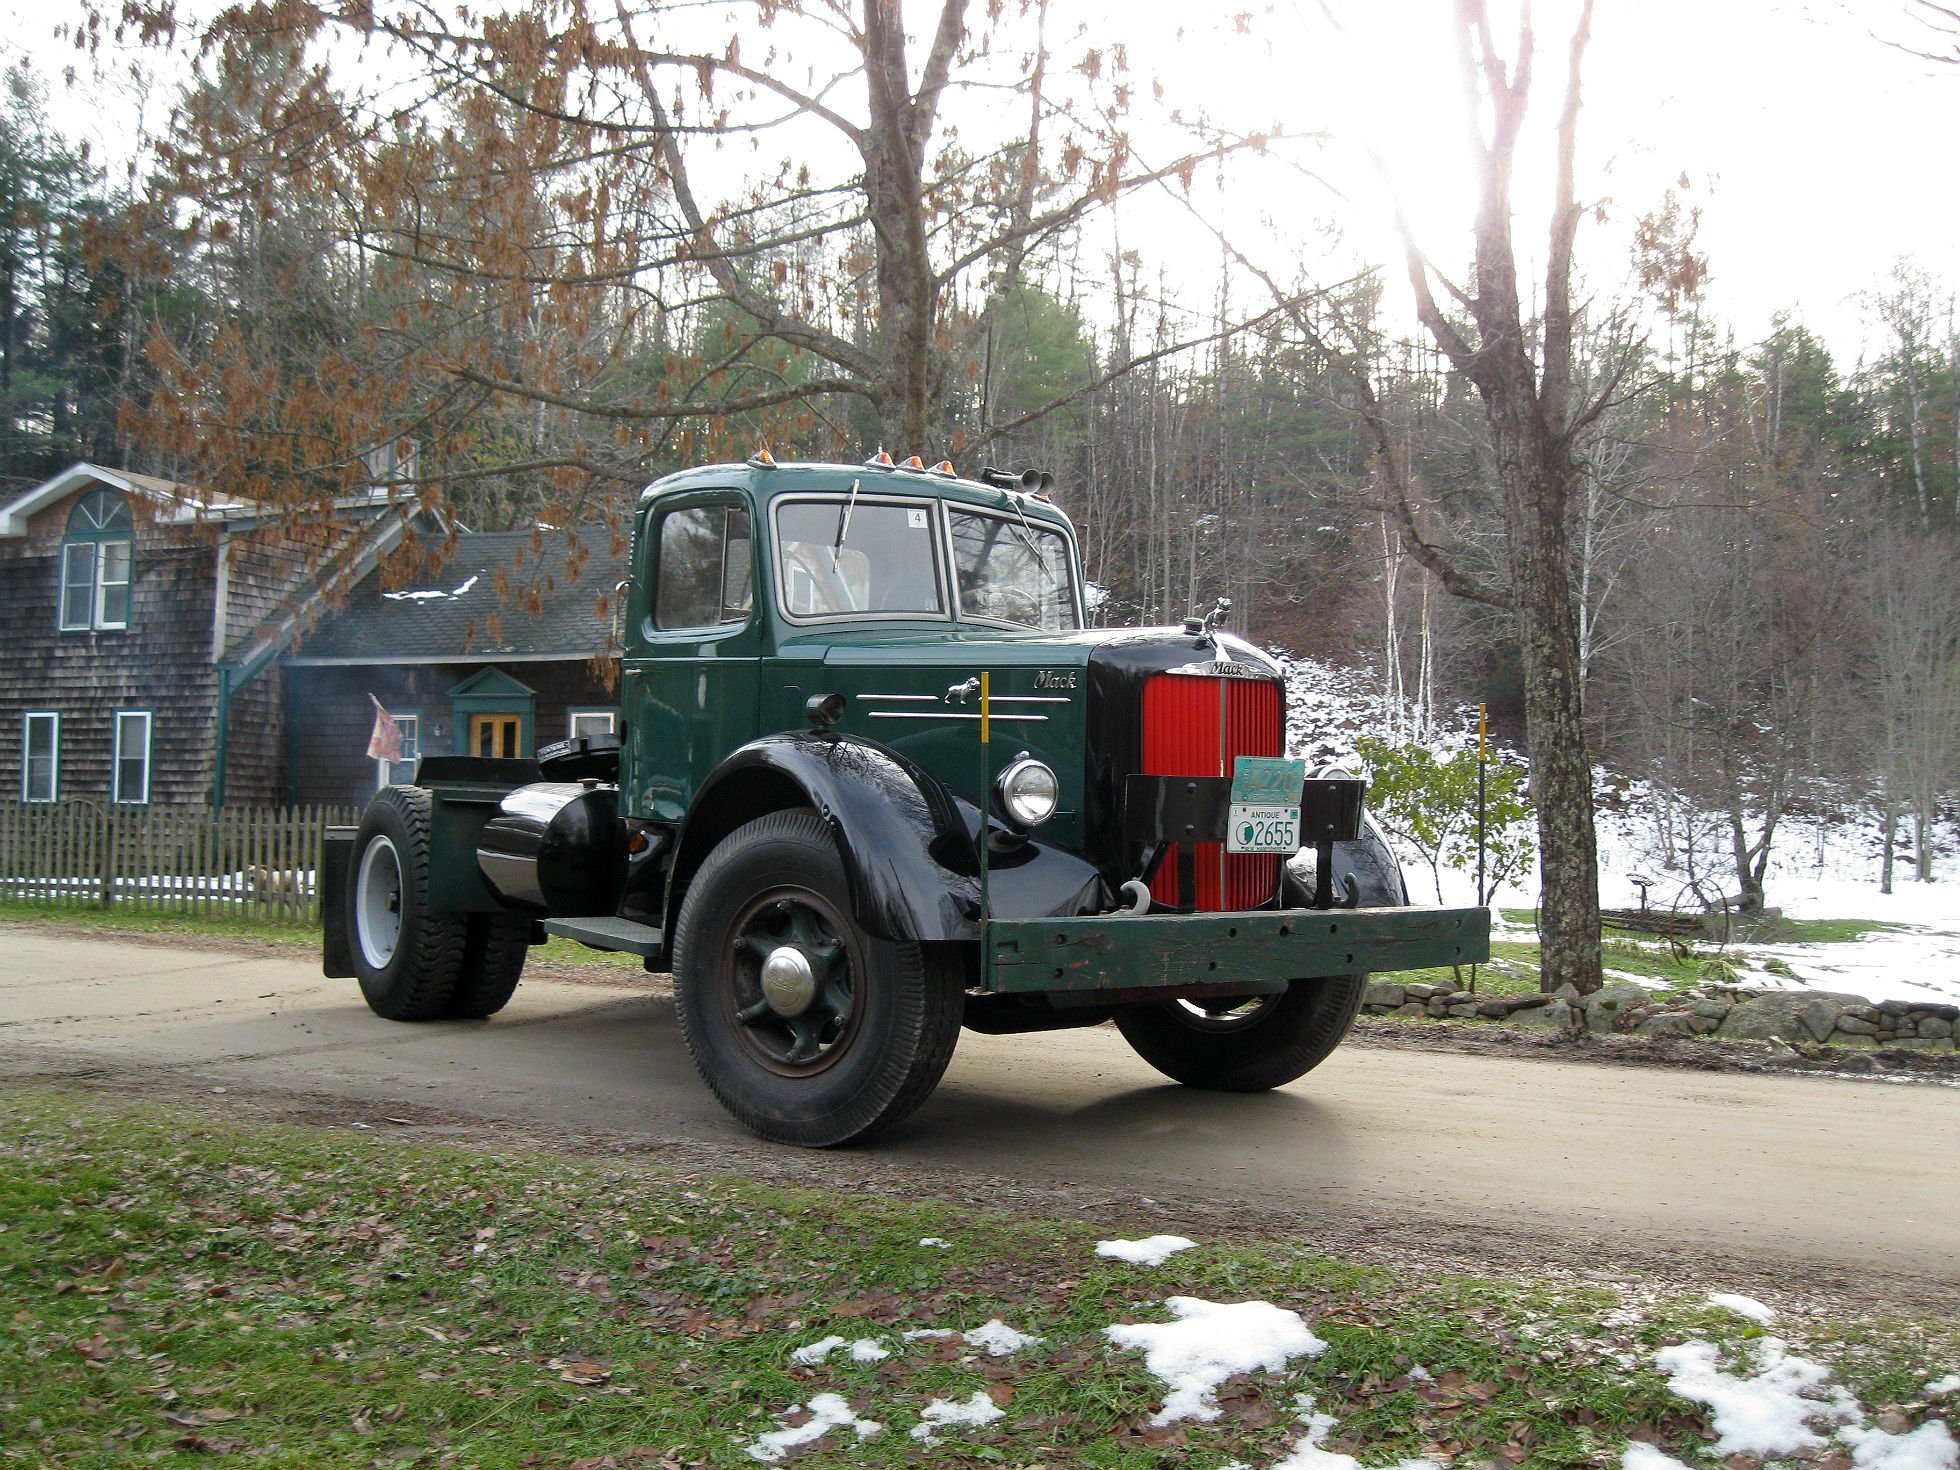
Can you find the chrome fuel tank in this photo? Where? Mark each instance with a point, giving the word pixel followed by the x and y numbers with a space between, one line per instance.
pixel 558 848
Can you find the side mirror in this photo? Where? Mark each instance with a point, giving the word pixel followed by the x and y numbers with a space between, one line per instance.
pixel 618 633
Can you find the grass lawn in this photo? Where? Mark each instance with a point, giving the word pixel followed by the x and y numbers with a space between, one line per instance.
pixel 178 1290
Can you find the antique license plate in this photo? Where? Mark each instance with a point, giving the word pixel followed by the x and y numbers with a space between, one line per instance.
pixel 1265 805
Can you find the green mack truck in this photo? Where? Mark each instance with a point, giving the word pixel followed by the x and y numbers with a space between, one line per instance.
pixel 875 780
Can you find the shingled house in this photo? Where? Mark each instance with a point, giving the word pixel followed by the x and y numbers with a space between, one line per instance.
pixel 495 655
pixel 143 619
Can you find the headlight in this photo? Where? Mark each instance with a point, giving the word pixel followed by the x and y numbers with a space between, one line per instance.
pixel 1028 792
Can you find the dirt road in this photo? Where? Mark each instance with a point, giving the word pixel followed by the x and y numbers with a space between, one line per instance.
pixel 1746 1181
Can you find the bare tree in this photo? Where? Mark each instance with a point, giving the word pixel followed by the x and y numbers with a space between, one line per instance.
pixel 1538 418
pixel 560 270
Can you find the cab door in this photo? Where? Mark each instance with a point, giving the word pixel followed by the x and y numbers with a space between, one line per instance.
pixel 689 681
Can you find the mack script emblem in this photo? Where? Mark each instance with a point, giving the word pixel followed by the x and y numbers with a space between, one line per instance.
pixel 1055 679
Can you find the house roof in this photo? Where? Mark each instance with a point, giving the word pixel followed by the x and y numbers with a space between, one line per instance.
pixel 459 615
pixel 171 502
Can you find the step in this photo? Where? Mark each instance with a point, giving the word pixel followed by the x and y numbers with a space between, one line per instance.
pixel 629 935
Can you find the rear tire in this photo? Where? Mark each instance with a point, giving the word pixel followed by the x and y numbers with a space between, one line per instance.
pixel 406 956
pixel 849 1034
pixel 1256 1045
pixel 494 950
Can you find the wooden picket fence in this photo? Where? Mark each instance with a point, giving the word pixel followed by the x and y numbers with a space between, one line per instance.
pixel 244 862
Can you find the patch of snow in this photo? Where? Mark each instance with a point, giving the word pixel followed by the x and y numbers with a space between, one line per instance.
pixel 1943 1385
pixel 1821 867
pixel 828 1411
pixel 467 585
pixel 1742 1306
pixel 1768 1413
pixel 935 1242
pixel 998 1339
pixel 864 1350
pixel 1152 1250
pixel 423 594
pixel 816 1352
pixel 1210 1342
pixel 1308 1454
pixel 1642 1456
pixel 1627 977
pixel 918 1333
pixel 1929 1447
pixel 945 1413
pixel 1420 1374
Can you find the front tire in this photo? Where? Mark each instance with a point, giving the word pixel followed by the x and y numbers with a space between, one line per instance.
pixel 406 956
pixel 1246 1046
pixel 807 1029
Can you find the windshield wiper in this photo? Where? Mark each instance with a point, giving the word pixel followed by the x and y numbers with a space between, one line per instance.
pixel 843 526
pixel 1027 531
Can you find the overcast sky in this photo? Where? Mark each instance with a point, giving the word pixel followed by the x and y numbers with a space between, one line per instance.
pixel 1817 153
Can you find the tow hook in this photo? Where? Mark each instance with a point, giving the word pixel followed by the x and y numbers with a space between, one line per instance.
pixel 1139 896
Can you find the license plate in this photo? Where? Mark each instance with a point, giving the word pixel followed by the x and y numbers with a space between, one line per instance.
pixel 1258 827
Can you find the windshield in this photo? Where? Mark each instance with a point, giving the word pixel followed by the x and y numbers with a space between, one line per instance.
pixel 840 558
pixel 1012 570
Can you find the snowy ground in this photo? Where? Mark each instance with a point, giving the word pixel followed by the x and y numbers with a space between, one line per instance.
pixel 1818 870
pixel 1770 1403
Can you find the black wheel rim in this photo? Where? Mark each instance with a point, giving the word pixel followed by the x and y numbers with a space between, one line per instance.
pixel 816 1036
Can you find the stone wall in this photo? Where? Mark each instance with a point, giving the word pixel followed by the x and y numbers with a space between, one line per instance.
pixel 1794 1016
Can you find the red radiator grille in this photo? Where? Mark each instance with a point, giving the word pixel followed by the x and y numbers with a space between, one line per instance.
pixel 1186 732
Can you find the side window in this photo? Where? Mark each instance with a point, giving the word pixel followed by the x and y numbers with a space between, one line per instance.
pixel 40 759
pixel 703 577
pixel 132 758
pixel 96 564
pixel 402 772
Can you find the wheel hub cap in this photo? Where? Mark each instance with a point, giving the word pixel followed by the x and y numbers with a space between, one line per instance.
pixel 788 982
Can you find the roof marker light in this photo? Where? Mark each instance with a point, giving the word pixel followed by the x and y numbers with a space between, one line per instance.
pixel 915 463
pixel 945 467
pixel 879 461
pixel 763 459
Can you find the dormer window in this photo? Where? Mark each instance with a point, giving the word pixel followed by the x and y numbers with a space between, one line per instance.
pixel 97 563
pixel 391 462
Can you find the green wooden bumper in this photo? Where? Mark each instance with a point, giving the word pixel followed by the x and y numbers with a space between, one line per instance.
pixel 1119 952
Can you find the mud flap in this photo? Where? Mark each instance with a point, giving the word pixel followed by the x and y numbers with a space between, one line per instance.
pixel 336 862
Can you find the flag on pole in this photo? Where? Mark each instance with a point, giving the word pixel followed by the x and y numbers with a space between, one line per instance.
pixel 385 744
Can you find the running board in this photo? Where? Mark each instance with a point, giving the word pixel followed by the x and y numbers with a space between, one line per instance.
pixel 622 934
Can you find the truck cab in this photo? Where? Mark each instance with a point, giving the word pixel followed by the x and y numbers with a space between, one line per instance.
pixel 877 780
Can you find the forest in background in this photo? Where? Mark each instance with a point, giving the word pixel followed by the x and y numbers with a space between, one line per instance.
pixel 522 308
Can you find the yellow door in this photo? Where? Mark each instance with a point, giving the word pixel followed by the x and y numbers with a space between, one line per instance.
pixel 495 735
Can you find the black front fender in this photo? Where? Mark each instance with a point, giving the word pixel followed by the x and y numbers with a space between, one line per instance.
pixel 909 844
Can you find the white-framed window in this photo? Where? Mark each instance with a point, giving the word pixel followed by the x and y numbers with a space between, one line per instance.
pixel 402 772
pixel 593 722
pixel 40 755
pixel 130 778
pixel 390 460
pixel 97 558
